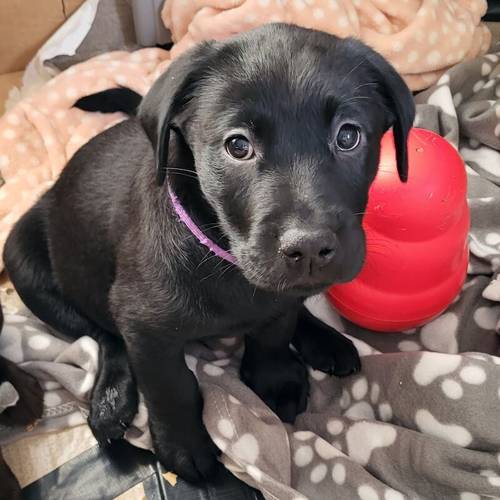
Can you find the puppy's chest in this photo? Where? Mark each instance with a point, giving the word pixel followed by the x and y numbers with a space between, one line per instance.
pixel 231 313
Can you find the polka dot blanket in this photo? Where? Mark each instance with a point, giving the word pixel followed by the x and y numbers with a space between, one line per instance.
pixel 421 38
pixel 421 421
pixel 41 133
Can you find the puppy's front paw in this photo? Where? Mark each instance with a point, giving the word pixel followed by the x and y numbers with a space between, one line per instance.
pixel 327 350
pixel 112 409
pixel 190 455
pixel 282 384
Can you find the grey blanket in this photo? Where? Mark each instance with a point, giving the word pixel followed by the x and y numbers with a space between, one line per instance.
pixel 422 419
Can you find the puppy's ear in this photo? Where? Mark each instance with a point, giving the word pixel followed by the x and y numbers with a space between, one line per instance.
pixel 400 102
pixel 168 97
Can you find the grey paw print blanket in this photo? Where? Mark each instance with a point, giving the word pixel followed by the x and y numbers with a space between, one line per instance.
pixel 422 419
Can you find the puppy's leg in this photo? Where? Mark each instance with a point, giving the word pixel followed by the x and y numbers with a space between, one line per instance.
pixel 174 405
pixel 26 257
pixel 114 398
pixel 273 371
pixel 323 348
pixel 29 407
pixel 9 487
pixel 26 411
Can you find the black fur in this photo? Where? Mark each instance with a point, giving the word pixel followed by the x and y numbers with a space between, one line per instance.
pixel 103 253
pixel 111 101
pixel 26 412
pixel 124 100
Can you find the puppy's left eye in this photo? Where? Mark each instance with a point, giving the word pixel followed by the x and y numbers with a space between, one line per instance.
pixel 348 137
pixel 239 147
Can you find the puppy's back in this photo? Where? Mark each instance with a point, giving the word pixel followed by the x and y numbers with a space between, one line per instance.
pixel 87 212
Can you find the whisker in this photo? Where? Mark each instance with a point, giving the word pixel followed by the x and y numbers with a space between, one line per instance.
pixel 356 98
pixel 365 85
pixel 211 226
pixel 207 276
pixel 216 270
pixel 183 171
pixel 208 256
pixel 226 269
pixel 186 175
pixel 177 169
pixel 354 68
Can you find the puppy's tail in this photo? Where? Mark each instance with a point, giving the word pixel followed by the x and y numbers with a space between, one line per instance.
pixel 110 101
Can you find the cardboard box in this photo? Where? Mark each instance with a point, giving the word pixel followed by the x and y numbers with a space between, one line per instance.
pixel 25 25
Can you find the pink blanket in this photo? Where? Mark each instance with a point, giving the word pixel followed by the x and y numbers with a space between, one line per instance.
pixel 421 38
pixel 41 133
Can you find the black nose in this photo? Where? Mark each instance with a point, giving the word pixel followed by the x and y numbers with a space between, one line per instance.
pixel 306 248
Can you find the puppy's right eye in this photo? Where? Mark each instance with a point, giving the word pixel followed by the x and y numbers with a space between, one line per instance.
pixel 348 137
pixel 239 148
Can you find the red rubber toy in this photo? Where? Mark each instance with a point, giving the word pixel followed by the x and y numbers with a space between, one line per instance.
pixel 417 246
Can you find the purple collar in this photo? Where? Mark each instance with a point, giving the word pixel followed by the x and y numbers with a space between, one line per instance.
pixel 196 231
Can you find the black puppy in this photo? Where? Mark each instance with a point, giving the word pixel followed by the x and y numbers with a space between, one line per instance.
pixel 270 142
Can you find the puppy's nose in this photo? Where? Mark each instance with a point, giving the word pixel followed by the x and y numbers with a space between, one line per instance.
pixel 303 248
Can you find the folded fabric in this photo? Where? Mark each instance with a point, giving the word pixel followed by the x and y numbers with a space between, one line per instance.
pixel 421 38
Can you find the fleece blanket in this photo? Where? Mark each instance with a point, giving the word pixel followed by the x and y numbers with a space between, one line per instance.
pixel 422 418
pixel 41 132
pixel 421 38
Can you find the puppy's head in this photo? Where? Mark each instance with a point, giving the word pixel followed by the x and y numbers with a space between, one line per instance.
pixel 282 128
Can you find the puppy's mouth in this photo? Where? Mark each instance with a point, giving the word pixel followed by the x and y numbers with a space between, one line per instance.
pixel 286 285
pixel 305 290
pixel 276 278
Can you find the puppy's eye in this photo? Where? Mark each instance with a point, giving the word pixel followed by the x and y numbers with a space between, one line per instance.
pixel 239 148
pixel 348 137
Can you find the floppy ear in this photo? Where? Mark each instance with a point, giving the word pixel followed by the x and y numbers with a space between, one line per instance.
pixel 400 102
pixel 168 97
pixel 397 96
